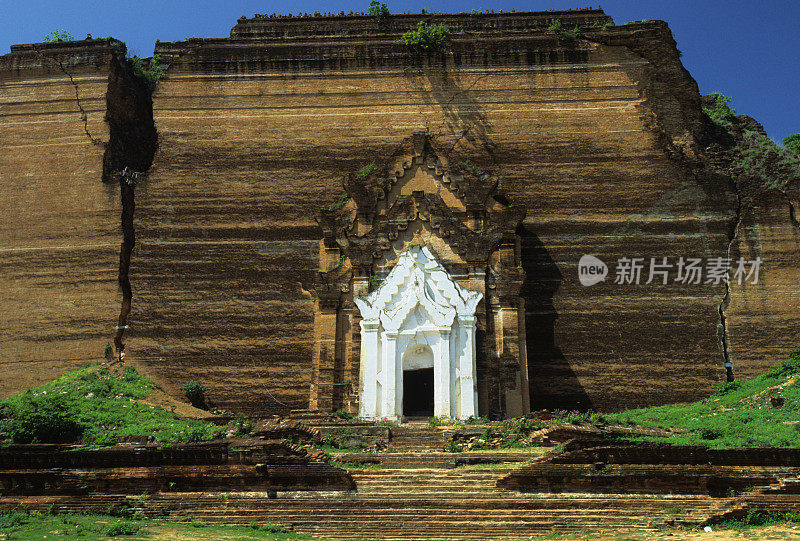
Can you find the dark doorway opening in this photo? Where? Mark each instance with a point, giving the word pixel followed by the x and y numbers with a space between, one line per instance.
pixel 418 393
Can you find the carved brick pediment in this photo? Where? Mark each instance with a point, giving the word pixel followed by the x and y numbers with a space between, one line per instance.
pixel 377 211
pixel 465 180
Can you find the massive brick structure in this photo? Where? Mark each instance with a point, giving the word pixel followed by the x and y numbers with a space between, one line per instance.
pixel 599 142
pixel 72 114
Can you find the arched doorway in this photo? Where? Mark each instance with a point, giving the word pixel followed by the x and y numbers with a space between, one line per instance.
pixel 418 304
pixel 418 381
pixel 416 244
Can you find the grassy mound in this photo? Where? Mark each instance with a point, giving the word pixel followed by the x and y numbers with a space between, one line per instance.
pixel 762 412
pixel 92 406
pixel 96 527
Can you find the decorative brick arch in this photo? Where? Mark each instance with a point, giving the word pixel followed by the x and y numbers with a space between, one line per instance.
pixel 418 284
pixel 420 198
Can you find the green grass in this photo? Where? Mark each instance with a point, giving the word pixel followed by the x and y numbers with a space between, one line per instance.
pixel 102 527
pixel 738 414
pixel 759 517
pixel 94 407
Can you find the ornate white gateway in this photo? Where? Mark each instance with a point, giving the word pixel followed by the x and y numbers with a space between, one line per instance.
pixel 419 318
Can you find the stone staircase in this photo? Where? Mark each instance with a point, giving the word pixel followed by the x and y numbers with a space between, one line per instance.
pixel 433 459
pixel 418 437
pixel 418 491
pixel 778 497
pixel 444 504
pixel 450 504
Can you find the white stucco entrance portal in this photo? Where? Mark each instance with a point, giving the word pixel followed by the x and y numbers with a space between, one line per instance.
pixel 418 318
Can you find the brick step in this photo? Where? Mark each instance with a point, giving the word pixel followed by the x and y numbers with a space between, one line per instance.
pixel 413 436
pixel 350 497
pixel 466 504
pixel 422 523
pixel 461 536
pixel 426 481
pixel 450 472
pixel 430 493
pixel 778 502
pixel 431 514
pixel 430 482
pixel 428 473
pixel 454 473
pixel 422 448
pixel 356 505
pixel 380 506
pixel 418 523
pixel 425 475
pixel 416 438
pixel 510 534
pixel 438 455
pixel 489 493
pixel 436 503
pixel 407 439
pixel 422 483
pixel 411 464
pixel 447 509
pixel 395 532
pixel 435 497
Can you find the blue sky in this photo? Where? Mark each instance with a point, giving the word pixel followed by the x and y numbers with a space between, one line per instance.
pixel 745 49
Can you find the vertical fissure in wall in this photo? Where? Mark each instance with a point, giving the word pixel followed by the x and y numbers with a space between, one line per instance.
pixel 722 327
pixel 84 116
pixel 133 140
pixel 127 183
pixel 793 214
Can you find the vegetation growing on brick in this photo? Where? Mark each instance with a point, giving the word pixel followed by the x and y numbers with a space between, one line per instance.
pixel 792 143
pixel 58 35
pixel 738 414
pixel 196 393
pixel 774 167
pixel 380 13
pixel 471 167
pixel 426 38
pixel 760 517
pixel 149 70
pixel 95 407
pixel 568 36
pixel 721 112
pixel 344 197
pixel 367 170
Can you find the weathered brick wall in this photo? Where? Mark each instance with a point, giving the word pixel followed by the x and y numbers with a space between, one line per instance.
pixel 226 465
pixel 252 145
pixel 598 140
pixel 59 224
pixel 762 318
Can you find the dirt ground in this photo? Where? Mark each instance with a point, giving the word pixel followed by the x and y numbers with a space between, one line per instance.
pixel 760 533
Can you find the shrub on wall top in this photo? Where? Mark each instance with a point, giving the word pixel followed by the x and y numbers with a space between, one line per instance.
pixel 426 38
